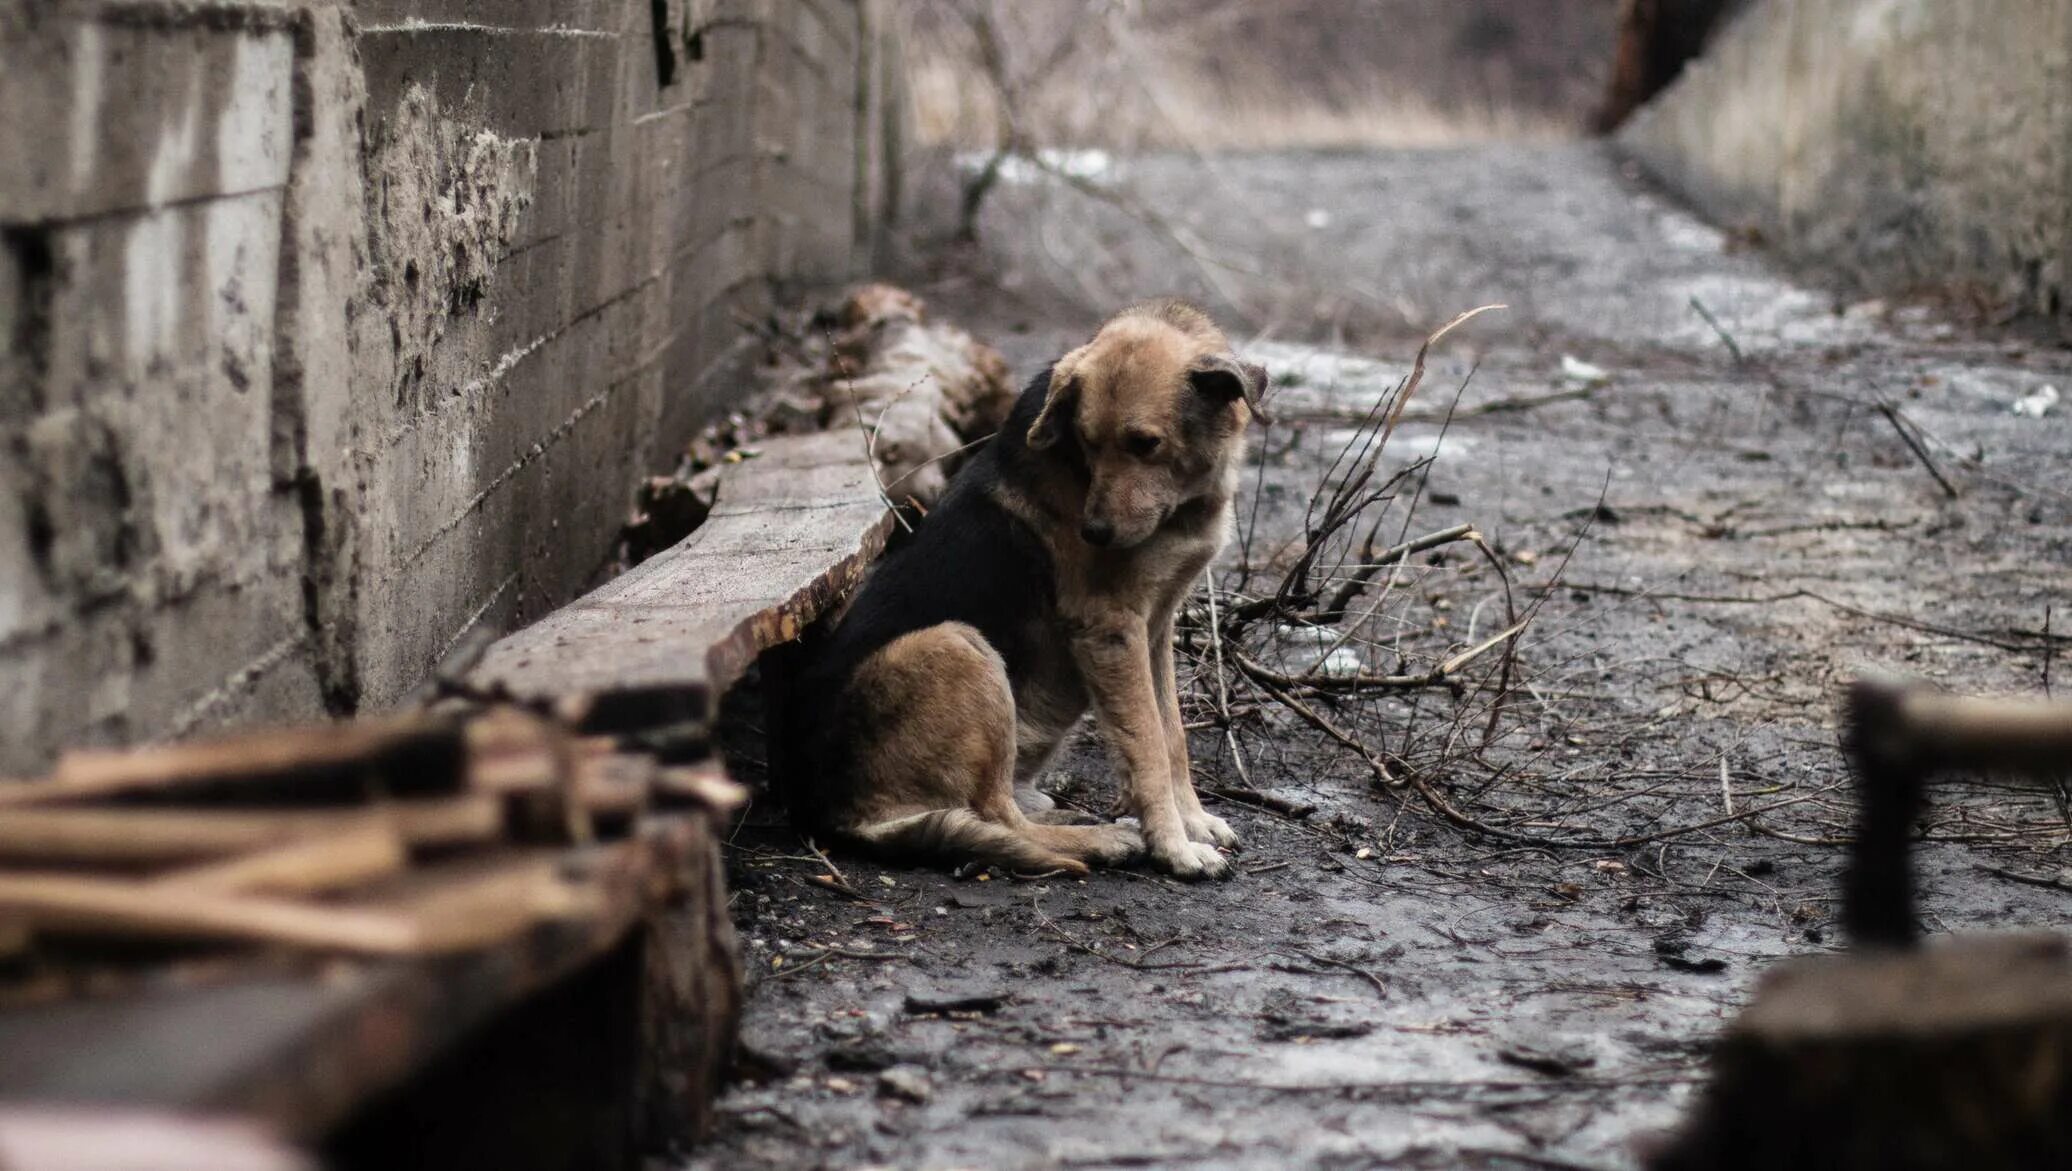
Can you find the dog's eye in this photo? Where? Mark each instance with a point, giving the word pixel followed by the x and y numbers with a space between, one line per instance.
pixel 1139 444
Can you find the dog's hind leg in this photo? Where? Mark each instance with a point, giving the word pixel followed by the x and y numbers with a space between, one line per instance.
pixel 964 835
pixel 1044 715
pixel 1036 746
pixel 938 760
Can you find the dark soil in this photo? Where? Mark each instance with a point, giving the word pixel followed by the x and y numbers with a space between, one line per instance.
pixel 1715 544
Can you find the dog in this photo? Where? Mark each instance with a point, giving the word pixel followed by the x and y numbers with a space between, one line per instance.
pixel 1045 583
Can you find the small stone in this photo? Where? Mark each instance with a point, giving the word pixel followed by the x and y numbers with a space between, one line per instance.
pixel 905 1082
pixel 1580 373
pixel 2036 404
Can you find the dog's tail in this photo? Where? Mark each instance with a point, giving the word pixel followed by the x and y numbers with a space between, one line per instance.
pixel 964 835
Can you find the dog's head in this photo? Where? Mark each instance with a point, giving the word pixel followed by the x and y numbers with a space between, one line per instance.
pixel 1156 406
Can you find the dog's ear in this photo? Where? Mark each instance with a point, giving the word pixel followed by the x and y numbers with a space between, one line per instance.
pixel 1223 378
pixel 1058 405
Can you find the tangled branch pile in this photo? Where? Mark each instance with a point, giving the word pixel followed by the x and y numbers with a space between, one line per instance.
pixel 1369 646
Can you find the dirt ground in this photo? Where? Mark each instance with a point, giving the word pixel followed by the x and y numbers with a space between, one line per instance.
pixel 1710 536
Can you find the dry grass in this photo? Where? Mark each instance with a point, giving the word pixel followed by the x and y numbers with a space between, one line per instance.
pixel 955 108
pixel 1305 74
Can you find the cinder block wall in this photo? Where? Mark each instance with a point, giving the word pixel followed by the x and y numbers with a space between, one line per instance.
pixel 330 330
pixel 1901 143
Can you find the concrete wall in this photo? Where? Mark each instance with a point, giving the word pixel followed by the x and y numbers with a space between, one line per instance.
pixel 329 330
pixel 1907 143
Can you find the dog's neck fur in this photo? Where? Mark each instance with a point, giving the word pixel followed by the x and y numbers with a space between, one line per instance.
pixel 1049 493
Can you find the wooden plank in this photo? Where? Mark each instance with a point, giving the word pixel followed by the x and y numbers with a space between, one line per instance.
pixel 793 531
pixel 620 784
pixel 1900 736
pixel 306 1052
pixel 1924 727
pixel 511 750
pixel 459 906
pixel 143 837
pixel 423 750
pixel 329 863
pixel 476 903
pixel 105 906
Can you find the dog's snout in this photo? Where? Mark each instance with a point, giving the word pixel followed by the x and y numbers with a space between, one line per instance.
pixel 1097 532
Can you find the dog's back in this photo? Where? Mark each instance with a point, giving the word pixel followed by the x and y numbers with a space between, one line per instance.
pixel 968 561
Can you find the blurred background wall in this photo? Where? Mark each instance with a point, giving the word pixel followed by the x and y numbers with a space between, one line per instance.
pixel 1241 74
pixel 1901 145
pixel 335 329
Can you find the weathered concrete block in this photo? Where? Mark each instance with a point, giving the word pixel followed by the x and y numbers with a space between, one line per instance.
pixel 154 580
pixel 329 331
pixel 105 117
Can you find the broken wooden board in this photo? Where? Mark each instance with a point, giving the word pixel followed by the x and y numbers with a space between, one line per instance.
pixel 289 940
pixel 793 531
pixel 400 753
pixel 1955 1055
pixel 300 1048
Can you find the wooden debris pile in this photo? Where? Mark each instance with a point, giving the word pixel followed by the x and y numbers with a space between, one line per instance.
pixel 914 394
pixel 413 835
pixel 920 391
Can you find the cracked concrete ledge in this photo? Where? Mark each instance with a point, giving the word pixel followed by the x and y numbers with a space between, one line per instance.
pixel 792 533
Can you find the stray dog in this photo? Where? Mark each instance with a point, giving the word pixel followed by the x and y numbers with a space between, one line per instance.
pixel 1046 581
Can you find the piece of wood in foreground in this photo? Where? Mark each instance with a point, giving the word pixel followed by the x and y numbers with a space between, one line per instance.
pixel 111 907
pixel 458 906
pixel 792 532
pixel 1957 1055
pixel 334 862
pixel 305 1053
pixel 144 837
pixel 417 747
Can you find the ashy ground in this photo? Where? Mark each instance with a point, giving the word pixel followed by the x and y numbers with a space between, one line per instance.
pixel 1712 525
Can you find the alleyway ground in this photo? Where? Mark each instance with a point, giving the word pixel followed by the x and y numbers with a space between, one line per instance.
pixel 1376 988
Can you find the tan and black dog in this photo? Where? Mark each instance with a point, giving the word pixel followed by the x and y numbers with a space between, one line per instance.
pixel 1045 582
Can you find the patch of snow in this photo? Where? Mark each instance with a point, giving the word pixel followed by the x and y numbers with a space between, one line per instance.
pixel 2037 403
pixel 1097 166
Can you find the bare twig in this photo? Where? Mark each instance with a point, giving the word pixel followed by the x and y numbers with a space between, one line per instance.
pixel 1733 347
pixel 1500 406
pixel 1372 563
pixel 870 439
pixel 1076 944
pixel 1374 981
pixel 1902 425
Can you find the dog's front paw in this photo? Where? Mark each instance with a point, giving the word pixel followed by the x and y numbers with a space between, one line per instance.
pixel 1189 860
pixel 1209 829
